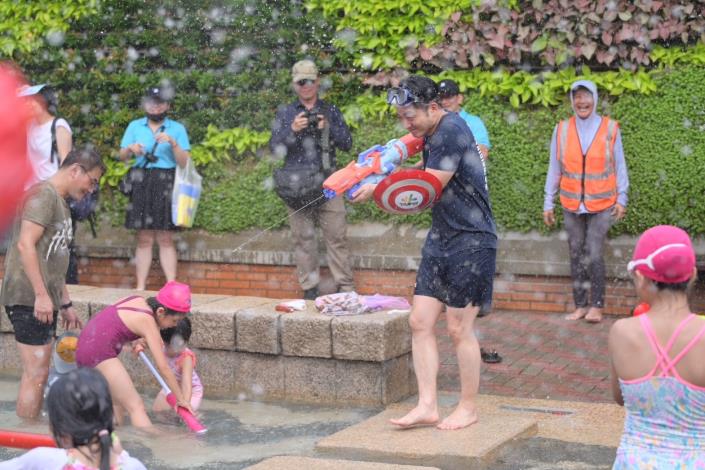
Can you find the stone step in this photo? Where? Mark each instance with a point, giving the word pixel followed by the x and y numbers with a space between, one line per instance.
pixel 471 448
pixel 309 463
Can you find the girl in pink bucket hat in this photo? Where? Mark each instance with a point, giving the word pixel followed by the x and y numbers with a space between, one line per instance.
pixel 656 359
pixel 134 319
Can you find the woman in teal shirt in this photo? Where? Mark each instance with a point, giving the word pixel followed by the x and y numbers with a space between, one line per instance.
pixel 157 145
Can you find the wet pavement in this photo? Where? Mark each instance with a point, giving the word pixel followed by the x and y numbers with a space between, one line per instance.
pixel 567 435
pixel 543 356
pixel 240 433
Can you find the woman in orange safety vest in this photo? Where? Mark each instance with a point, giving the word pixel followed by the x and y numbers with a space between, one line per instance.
pixel 588 170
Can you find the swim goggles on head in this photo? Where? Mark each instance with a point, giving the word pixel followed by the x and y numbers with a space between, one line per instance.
pixel 401 96
pixel 649 260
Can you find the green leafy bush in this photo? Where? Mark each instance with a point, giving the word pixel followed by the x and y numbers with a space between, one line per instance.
pixel 230 144
pixel 26 25
pixel 664 142
pixel 376 33
pixel 465 34
pixel 229 65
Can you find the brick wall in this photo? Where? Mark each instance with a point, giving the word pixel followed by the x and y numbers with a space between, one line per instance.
pixel 518 293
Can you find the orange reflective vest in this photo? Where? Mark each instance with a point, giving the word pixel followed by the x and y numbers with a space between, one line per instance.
pixel 590 179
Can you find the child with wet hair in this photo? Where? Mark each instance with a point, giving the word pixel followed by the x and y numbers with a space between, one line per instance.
pixel 81 419
pixel 182 362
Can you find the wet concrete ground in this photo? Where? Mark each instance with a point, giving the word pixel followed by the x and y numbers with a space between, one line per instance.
pixel 242 433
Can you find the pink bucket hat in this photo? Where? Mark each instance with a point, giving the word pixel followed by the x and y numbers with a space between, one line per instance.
pixel 664 254
pixel 175 296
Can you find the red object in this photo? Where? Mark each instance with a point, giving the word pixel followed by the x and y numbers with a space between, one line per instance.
pixel 641 309
pixel 407 192
pixel 16 169
pixel 190 420
pixel 25 440
pixel 347 177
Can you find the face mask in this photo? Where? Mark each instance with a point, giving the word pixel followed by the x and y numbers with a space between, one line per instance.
pixel 156 117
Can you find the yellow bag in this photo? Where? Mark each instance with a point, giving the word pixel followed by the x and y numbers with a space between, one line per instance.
pixel 187 193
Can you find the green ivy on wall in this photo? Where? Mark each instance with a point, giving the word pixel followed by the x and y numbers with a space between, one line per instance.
pixel 663 136
pixel 231 70
pixel 376 33
pixel 26 25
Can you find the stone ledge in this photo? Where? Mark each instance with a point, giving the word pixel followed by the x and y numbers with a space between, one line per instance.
pixel 245 346
pixel 214 323
pixel 306 334
pixel 371 337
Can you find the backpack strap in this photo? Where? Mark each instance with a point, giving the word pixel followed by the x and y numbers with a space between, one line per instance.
pixel 54 149
pixel 91 223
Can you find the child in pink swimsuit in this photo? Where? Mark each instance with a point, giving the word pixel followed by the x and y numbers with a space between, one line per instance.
pixel 656 358
pixel 131 319
pixel 182 362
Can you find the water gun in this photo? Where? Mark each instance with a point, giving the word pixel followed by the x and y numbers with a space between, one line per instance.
pixel 191 421
pixel 372 166
pixel 24 440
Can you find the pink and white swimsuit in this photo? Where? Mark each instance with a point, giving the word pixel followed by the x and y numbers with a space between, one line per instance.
pixel 664 426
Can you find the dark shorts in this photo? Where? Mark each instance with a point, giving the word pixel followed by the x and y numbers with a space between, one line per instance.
pixel 460 280
pixel 29 330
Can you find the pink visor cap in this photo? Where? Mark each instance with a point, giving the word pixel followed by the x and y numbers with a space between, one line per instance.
pixel 175 296
pixel 664 254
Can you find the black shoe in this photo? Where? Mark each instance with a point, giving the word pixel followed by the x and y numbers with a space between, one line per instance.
pixel 311 294
pixel 490 357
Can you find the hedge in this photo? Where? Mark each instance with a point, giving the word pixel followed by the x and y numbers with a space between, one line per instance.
pixel 663 137
pixel 230 69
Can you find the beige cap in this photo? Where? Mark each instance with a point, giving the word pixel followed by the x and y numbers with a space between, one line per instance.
pixel 304 70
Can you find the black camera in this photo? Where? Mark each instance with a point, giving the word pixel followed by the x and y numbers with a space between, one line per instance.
pixel 150 157
pixel 313 118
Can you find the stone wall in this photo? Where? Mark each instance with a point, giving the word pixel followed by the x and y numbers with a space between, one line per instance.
pixel 247 349
pixel 532 269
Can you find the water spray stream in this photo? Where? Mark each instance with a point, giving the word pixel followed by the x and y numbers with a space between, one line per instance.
pixel 257 235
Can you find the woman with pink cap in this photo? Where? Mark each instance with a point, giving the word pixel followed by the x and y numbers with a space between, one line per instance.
pixel 656 358
pixel 128 320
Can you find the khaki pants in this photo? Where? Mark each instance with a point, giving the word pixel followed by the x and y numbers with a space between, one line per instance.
pixel 331 218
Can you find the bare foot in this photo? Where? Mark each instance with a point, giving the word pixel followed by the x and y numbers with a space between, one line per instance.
pixel 577 315
pixel 417 417
pixel 594 315
pixel 460 418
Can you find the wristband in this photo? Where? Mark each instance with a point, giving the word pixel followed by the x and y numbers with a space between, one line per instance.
pixel 67 305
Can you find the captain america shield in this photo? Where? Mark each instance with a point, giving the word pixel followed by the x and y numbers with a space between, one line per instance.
pixel 407 192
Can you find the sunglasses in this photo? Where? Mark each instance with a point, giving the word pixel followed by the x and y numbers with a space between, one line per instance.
pixel 305 81
pixel 649 260
pixel 401 96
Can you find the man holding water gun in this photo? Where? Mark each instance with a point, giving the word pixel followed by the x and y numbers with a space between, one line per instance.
pixel 458 257
pixel 305 134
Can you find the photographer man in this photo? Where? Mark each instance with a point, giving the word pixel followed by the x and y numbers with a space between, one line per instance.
pixel 305 134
